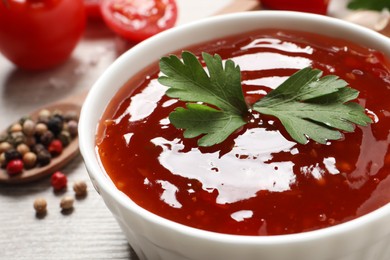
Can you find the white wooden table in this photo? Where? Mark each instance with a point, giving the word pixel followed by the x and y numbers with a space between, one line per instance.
pixel 89 231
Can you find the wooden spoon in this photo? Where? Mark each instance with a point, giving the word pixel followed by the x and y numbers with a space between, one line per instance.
pixel 69 152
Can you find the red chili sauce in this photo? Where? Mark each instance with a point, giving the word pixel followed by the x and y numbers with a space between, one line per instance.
pixel 259 181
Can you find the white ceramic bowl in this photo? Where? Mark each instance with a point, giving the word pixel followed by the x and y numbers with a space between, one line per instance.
pixel 153 237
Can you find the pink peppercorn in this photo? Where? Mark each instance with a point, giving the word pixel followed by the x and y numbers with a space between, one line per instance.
pixel 55 147
pixel 58 180
pixel 14 167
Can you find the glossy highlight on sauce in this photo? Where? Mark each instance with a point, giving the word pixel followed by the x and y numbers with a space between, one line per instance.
pixel 258 181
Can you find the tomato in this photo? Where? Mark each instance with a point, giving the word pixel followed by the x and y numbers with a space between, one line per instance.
pixel 309 6
pixel 39 34
pixel 92 8
pixel 137 20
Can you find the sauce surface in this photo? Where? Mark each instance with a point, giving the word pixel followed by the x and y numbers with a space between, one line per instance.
pixel 259 181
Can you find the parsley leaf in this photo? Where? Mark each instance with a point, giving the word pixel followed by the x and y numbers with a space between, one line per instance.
pixel 188 81
pixel 199 119
pixel 307 105
pixel 312 107
pixel 377 5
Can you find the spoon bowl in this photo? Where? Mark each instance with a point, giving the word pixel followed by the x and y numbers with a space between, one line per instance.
pixel 71 104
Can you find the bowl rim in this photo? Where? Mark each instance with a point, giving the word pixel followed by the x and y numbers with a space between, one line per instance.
pixel 102 182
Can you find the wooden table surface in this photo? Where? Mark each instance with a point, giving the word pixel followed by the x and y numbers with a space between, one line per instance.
pixel 89 231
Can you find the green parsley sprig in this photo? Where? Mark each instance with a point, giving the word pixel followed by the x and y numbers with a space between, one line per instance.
pixel 377 5
pixel 308 106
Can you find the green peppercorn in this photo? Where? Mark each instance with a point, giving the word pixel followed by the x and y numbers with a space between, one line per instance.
pixel 3 138
pixel 65 138
pixel 17 138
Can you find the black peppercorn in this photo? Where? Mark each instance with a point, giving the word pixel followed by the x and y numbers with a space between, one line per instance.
pixel 46 138
pixel 43 157
pixel 12 154
pixel 55 124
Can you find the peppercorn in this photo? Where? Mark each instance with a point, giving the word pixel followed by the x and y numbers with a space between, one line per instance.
pixel 15 128
pixel 46 138
pixel 3 138
pixel 58 181
pixel 72 128
pixel 44 116
pixel 17 138
pixel 30 141
pixel 55 124
pixel 66 203
pixel 40 205
pixel 22 149
pixel 14 167
pixel 40 128
pixel 71 115
pixel 29 160
pixel 43 157
pixel 4 146
pixel 37 148
pixel 80 188
pixel 55 147
pixel 65 138
pixel 29 127
pixel 2 160
pixel 12 154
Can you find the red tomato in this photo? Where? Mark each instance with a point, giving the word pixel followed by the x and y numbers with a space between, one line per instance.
pixel 309 6
pixel 39 34
pixel 92 8
pixel 139 19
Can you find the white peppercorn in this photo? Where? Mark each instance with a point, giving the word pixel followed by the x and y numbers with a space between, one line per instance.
pixel 29 127
pixel 29 160
pixel 66 203
pixel 23 148
pixel 15 128
pixel 40 128
pixel 44 115
pixel 40 205
pixel 5 146
pixel 80 188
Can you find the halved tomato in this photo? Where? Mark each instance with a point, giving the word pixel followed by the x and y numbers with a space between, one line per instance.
pixel 137 20
pixel 92 8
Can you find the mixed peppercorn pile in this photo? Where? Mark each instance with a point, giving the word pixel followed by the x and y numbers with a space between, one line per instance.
pixel 33 143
